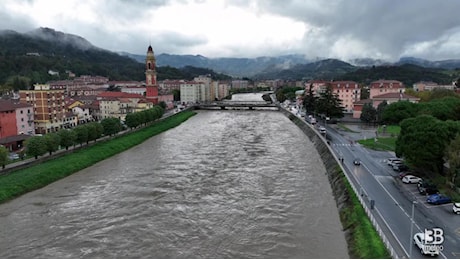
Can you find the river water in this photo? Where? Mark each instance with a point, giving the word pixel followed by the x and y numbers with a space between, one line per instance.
pixel 224 184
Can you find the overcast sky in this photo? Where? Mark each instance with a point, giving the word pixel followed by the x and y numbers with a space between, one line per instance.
pixel 344 29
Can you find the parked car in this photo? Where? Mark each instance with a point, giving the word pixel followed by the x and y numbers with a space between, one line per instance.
pixel 402 174
pixel 456 208
pixel 13 156
pixel 399 167
pixel 410 179
pixel 425 249
pixel 356 161
pixel 438 199
pixel 426 188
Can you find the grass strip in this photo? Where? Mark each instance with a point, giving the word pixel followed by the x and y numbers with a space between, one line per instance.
pixel 382 144
pixel 364 242
pixel 35 177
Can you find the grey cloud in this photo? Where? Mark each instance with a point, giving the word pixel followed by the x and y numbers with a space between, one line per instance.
pixel 10 22
pixel 390 26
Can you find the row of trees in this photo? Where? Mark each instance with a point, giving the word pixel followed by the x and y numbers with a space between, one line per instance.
pixel 39 145
pixel 327 104
pixel 444 106
pixel 430 132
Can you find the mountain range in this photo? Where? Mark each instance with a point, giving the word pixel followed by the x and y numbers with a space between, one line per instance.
pixel 277 67
pixel 60 51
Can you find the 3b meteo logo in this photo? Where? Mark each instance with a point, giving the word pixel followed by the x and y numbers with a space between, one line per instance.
pixel 434 238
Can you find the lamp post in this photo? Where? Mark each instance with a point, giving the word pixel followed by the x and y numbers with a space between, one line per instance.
pixel 411 228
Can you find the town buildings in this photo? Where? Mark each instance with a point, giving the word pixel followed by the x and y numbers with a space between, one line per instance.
pixel 16 123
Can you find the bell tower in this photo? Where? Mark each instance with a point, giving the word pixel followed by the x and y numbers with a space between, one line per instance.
pixel 151 76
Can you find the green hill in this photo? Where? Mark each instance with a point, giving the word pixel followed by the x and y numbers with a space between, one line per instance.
pixel 27 58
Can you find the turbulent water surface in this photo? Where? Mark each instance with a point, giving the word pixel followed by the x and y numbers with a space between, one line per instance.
pixel 224 184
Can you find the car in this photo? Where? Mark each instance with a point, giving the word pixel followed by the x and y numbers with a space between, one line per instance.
pixel 426 188
pixel 438 199
pixel 410 179
pixel 425 249
pixel 13 156
pixel 402 174
pixel 394 159
pixel 322 130
pixel 456 208
pixel 400 167
pixel 356 162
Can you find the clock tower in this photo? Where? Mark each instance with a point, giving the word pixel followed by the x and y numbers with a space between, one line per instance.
pixel 151 77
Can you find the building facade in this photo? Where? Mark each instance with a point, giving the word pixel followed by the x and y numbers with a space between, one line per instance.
pixel 49 107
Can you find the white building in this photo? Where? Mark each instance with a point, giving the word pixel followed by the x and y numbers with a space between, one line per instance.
pixel 192 92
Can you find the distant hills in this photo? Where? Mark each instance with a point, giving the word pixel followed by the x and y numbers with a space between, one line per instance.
pixel 33 54
pixel 262 67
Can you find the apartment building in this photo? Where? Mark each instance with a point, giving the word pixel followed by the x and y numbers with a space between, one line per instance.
pixel 380 87
pixel 192 92
pixel 49 108
pixel 348 92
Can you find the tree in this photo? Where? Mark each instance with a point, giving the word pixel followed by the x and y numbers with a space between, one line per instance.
pixel 95 130
pixel 422 141
pixel 380 109
pixel 52 141
pixel 68 137
pixel 82 134
pixel 162 104
pixel 111 125
pixel 442 108
pixel 36 146
pixel 398 111
pixel 453 158
pixel 176 94
pixel 3 156
pixel 329 104
pixel 368 114
pixel 131 120
pixel 309 100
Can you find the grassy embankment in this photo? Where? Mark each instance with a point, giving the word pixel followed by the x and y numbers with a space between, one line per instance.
pixel 386 141
pixel 25 180
pixel 364 241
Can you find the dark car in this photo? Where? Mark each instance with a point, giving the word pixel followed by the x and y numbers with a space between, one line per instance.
pixel 400 167
pixel 356 162
pixel 438 199
pixel 426 188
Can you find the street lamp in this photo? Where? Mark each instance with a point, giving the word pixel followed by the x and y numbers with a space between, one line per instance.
pixel 411 227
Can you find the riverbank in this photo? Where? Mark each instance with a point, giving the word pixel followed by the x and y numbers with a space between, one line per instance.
pixel 35 175
pixel 362 238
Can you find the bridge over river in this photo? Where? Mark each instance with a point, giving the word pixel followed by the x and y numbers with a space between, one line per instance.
pixel 251 105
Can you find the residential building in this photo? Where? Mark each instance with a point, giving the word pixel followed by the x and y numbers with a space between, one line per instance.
pixel 16 123
pixel 380 87
pixel 49 107
pixel 240 84
pixel 119 104
pixel 192 92
pixel 348 92
pixel 376 100
pixel 429 86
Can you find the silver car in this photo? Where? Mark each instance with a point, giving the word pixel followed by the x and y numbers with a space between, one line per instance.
pixel 425 249
pixel 456 208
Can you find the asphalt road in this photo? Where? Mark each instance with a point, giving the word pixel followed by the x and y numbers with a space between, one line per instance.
pixel 393 200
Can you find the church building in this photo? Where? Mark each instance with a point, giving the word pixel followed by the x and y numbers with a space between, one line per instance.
pixel 151 86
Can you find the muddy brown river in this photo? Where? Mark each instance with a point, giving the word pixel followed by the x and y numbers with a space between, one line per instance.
pixel 224 184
